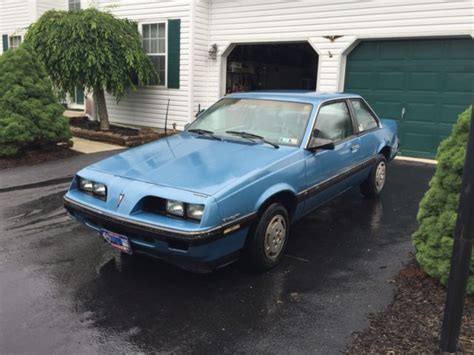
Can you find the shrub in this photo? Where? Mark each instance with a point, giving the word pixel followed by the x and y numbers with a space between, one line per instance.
pixel 30 114
pixel 437 215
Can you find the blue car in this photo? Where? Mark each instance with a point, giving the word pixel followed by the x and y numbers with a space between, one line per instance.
pixel 233 182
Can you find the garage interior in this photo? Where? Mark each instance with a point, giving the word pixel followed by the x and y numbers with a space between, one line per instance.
pixel 275 66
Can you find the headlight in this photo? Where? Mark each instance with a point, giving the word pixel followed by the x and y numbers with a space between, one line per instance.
pixel 99 189
pixel 95 188
pixel 175 207
pixel 195 211
pixel 86 185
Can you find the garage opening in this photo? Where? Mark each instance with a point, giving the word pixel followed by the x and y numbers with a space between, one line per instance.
pixel 271 67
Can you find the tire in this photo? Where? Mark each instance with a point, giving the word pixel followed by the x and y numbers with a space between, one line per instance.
pixel 375 182
pixel 267 240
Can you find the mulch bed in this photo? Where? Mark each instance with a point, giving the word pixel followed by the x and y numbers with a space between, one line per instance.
pixel 412 322
pixel 37 155
pixel 129 137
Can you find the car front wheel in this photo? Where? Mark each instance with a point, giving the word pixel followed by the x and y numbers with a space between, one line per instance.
pixel 375 182
pixel 267 240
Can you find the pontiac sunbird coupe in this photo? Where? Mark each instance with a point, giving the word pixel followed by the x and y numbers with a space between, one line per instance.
pixel 232 183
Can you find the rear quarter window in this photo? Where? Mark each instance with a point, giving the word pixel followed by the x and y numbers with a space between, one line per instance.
pixel 365 120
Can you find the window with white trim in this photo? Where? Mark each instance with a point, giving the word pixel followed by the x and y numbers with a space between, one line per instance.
pixel 74 5
pixel 154 44
pixel 14 42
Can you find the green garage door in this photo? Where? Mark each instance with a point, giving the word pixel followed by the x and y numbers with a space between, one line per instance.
pixel 423 84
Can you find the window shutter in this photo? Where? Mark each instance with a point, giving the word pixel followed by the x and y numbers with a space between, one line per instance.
pixel 5 42
pixel 174 39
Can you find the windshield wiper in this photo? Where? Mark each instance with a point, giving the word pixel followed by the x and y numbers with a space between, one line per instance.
pixel 252 136
pixel 204 132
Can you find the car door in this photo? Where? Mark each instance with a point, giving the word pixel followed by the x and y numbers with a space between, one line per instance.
pixel 366 122
pixel 326 170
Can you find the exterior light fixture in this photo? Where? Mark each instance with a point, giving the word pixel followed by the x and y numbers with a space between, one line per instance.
pixel 213 51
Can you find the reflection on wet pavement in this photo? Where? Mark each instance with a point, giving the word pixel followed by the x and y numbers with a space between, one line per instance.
pixel 63 290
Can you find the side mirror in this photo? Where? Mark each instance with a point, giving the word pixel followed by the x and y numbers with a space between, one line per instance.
pixel 320 143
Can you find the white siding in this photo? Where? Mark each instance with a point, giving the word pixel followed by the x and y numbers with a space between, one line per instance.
pixel 45 5
pixel 147 105
pixel 243 21
pixel 200 55
pixel 15 16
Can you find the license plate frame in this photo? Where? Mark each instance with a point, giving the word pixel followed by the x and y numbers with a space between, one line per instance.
pixel 117 241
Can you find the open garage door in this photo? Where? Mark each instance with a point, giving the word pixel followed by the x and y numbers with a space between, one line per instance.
pixel 271 66
pixel 424 84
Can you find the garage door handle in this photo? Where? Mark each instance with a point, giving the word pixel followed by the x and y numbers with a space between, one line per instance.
pixel 403 112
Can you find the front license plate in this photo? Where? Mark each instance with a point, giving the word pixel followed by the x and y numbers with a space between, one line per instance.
pixel 118 241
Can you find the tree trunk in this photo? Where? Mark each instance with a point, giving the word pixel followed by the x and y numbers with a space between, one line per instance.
pixel 102 106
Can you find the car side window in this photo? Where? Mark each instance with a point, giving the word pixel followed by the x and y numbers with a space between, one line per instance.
pixel 334 122
pixel 365 119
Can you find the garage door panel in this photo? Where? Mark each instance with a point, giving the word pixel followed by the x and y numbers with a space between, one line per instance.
pixel 424 49
pixel 428 81
pixel 390 81
pixel 360 80
pixel 421 112
pixel 450 113
pixel 459 82
pixel 461 49
pixel 422 143
pixel 367 52
pixel 390 109
pixel 432 79
pixel 392 50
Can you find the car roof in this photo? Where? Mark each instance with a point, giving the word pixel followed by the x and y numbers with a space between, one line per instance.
pixel 313 97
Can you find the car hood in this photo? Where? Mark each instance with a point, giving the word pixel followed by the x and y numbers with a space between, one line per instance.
pixel 196 164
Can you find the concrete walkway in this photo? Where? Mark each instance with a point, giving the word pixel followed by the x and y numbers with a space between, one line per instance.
pixel 43 174
pixel 87 146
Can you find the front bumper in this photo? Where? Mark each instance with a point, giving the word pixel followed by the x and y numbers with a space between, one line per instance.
pixel 196 250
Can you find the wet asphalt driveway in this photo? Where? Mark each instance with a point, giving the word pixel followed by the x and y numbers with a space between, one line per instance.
pixel 63 290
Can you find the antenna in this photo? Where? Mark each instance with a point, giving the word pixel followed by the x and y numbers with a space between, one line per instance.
pixel 166 117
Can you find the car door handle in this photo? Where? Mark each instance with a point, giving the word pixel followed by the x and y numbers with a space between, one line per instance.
pixel 355 148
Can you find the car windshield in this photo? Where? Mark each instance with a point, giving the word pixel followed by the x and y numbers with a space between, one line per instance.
pixel 279 122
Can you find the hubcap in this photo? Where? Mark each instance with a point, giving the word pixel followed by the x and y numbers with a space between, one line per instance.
pixel 275 236
pixel 380 176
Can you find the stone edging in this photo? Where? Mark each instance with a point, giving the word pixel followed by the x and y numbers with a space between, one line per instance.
pixel 110 137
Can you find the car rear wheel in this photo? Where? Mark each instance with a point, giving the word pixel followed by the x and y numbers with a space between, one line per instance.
pixel 375 182
pixel 267 240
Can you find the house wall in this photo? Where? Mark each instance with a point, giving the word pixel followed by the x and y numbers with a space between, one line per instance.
pixel 200 55
pixel 147 105
pixel 45 5
pixel 244 21
pixel 17 15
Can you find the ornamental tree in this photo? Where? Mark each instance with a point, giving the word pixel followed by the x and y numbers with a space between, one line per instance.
pixel 438 209
pixel 92 50
pixel 30 114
